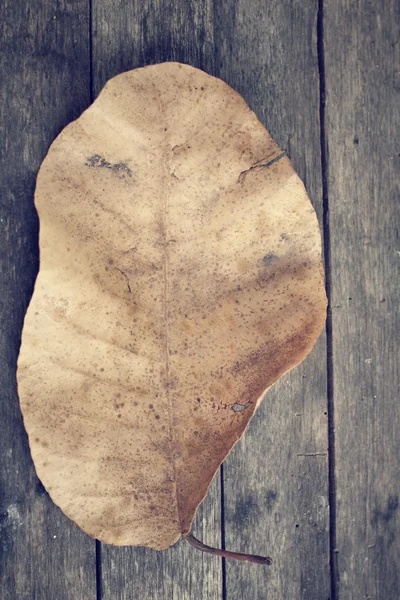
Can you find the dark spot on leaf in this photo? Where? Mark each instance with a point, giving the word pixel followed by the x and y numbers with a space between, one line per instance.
pixel 241 407
pixel 270 258
pixel 120 169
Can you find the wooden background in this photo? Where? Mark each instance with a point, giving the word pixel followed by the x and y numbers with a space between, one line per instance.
pixel 315 481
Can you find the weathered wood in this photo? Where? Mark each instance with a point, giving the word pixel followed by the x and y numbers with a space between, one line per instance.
pixel 44 65
pixel 181 572
pixel 362 68
pixel 276 479
pixel 142 33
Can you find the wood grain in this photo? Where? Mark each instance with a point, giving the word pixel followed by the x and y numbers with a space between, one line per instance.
pixel 362 124
pixel 147 32
pixel 138 34
pixel 44 63
pixel 276 479
pixel 179 573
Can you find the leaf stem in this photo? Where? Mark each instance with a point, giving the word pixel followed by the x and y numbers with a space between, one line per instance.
pixel 261 560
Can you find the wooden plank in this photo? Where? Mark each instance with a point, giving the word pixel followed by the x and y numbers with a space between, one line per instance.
pixel 362 68
pixel 179 573
pixel 142 33
pixel 44 63
pixel 276 479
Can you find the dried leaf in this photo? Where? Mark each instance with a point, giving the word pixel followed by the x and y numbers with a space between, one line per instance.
pixel 180 277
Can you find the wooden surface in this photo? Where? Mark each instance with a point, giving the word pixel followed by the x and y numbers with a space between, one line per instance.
pixel 362 116
pixel 315 481
pixel 142 33
pixel 276 479
pixel 44 65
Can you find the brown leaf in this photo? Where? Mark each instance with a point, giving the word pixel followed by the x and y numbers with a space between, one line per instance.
pixel 180 277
